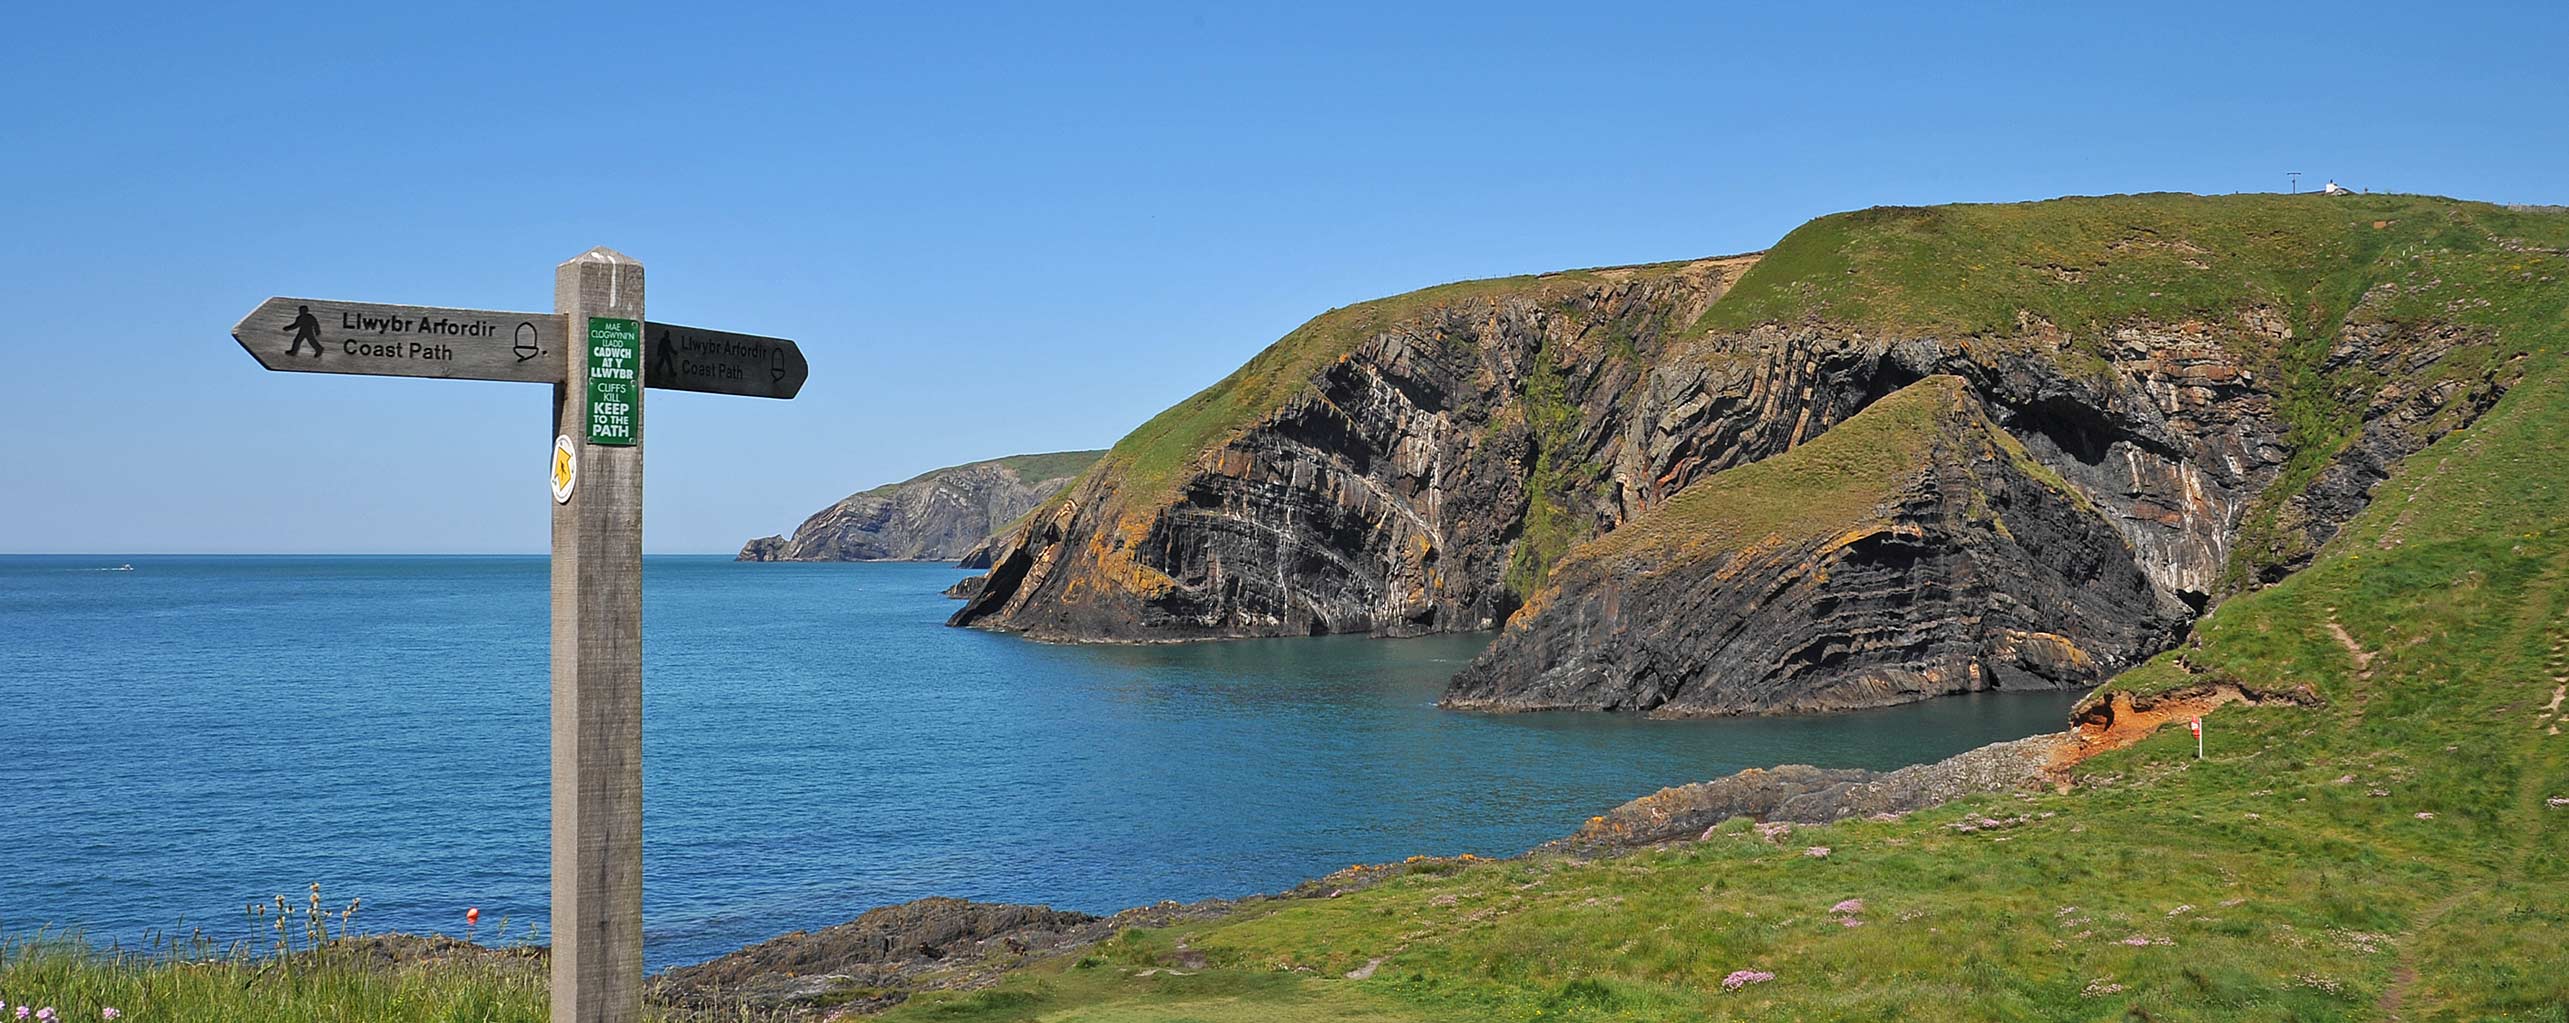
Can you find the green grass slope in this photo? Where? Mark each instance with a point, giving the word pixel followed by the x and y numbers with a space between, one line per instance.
pixel 2086 266
pixel 1836 482
pixel 2391 853
pixel 1030 468
pixel 1049 466
pixel 343 981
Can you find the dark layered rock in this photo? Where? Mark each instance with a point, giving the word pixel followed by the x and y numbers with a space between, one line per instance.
pixel 1401 494
pixel 1914 551
pixel 982 554
pixel 1388 496
pixel 1391 498
pixel 885 955
pixel 1431 472
pixel 2170 431
pixel 935 516
pixel 878 959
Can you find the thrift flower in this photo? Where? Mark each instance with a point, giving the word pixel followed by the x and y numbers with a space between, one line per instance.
pixel 110 1013
pixel 1849 906
pixel 1817 852
pixel 1743 978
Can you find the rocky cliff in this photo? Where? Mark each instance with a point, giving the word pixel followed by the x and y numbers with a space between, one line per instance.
pixel 1914 550
pixel 935 516
pixel 1397 467
pixel 2207 387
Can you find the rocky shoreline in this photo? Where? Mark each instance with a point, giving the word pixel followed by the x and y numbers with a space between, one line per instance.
pixel 885 955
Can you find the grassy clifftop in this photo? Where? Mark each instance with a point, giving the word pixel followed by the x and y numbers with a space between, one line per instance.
pixel 1151 460
pixel 2066 273
pixel 2089 264
pixel 1050 465
pixel 2314 265
pixel 2400 851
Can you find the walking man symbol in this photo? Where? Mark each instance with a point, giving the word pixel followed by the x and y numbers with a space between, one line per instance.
pixel 305 329
pixel 664 360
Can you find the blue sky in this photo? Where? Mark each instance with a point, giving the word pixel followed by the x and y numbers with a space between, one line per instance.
pixel 1002 230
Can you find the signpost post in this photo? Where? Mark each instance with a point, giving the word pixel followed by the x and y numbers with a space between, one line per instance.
pixel 599 354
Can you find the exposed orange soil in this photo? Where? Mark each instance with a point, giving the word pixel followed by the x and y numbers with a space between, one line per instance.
pixel 2122 720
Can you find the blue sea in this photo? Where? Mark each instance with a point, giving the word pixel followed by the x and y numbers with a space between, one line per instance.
pixel 196 733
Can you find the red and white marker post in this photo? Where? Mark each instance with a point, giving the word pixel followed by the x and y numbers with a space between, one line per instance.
pixel 2198 738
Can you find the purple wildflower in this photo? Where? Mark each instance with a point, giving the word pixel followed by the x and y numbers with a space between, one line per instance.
pixel 1743 978
pixel 1849 906
pixel 1817 852
pixel 110 1012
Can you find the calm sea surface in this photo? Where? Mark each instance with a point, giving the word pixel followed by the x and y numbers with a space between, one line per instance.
pixel 182 738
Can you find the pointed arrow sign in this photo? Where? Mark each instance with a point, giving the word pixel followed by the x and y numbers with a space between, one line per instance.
pixel 720 362
pixel 595 349
pixel 312 335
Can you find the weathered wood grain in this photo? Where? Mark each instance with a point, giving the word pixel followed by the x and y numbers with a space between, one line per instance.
pixel 597 676
pixel 317 335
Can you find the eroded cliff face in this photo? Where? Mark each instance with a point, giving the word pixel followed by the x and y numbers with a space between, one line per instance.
pixel 1432 473
pixel 1912 551
pixel 2168 430
pixel 937 516
pixel 2158 450
pixel 1415 485
pixel 1406 489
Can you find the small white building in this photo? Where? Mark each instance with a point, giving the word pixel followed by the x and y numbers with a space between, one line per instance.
pixel 2333 188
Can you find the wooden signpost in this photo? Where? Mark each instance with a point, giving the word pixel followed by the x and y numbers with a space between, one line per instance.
pixel 599 354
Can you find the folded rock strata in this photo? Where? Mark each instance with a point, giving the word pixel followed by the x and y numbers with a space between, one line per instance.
pixel 1424 463
pixel 1915 550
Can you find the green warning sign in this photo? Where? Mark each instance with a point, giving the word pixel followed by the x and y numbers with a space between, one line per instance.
pixel 615 379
